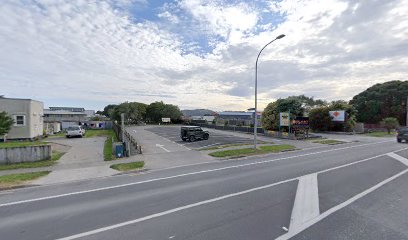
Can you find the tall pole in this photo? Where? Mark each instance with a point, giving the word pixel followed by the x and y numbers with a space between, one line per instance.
pixel 122 117
pixel 406 120
pixel 256 88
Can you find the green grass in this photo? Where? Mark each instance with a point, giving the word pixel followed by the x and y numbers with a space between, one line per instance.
pixel 250 151
pixel 231 145
pixel 100 133
pixel 12 180
pixel 107 148
pixel 45 163
pixel 20 144
pixel 380 134
pixel 329 141
pixel 127 166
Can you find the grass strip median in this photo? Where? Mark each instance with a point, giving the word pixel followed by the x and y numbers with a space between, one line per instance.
pixel 20 144
pixel 329 142
pixel 230 145
pixel 250 151
pixel 12 180
pixel 45 163
pixel 123 167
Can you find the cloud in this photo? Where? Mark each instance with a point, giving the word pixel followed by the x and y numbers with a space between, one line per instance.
pixel 198 53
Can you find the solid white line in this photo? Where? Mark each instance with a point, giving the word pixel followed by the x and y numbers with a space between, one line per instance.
pixel 399 158
pixel 340 206
pixel 99 230
pixel 306 205
pixel 188 174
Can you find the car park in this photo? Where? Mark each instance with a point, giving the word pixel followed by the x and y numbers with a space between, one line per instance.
pixel 193 133
pixel 402 134
pixel 75 131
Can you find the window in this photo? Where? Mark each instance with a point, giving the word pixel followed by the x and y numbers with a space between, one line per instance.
pixel 19 120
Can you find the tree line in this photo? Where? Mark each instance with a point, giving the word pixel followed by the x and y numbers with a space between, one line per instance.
pixel 384 104
pixel 136 112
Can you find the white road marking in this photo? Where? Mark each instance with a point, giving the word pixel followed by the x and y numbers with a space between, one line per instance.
pixel 193 173
pixel 338 207
pixel 306 204
pixel 162 147
pixel 156 215
pixel 399 158
pixel 134 131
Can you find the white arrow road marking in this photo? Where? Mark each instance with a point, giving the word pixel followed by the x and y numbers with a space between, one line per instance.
pixel 306 204
pixel 162 147
pixel 399 158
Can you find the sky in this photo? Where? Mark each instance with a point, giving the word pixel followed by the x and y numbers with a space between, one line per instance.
pixel 198 53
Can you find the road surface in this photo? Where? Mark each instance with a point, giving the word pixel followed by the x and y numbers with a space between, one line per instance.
pixel 348 191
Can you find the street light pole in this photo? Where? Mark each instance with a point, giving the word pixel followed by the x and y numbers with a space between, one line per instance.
pixel 256 87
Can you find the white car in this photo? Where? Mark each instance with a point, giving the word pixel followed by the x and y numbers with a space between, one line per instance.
pixel 75 131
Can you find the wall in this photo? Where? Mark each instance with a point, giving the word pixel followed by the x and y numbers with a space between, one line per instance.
pixel 32 110
pixel 36 119
pixel 25 154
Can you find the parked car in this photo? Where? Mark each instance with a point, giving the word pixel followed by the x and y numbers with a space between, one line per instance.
pixel 75 131
pixel 193 133
pixel 402 134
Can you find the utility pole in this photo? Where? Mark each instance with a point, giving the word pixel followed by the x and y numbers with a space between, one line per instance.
pixel 122 117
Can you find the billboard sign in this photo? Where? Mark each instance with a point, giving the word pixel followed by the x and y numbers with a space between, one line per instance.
pixel 338 116
pixel 301 122
pixel 284 119
pixel 165 120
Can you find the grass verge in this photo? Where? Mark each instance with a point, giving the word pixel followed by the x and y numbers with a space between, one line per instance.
pixel 13 180
pixel 380 134
pixel 20 144
pixel 250 151
pixel 45 163
pixel 329 142
pixel 231 145
pixel 123 167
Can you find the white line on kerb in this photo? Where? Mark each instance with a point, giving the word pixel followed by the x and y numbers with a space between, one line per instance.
pixel 99 230
pixel 183 175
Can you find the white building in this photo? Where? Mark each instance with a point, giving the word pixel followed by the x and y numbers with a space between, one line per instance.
pixel 27 115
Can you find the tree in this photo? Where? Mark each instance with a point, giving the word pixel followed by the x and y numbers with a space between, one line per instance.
pixel 270 116
pixel 319 118
pixel 390 123
pixel 158 110
pixel 381 101
pixel 108 110
pixel 134 112
pixel 5 123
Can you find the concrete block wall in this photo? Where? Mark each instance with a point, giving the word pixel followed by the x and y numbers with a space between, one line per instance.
pixel 25 154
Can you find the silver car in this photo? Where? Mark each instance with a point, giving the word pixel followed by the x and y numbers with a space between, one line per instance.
pixel 75 131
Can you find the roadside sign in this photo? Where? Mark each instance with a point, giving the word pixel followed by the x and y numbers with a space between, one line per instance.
pixel 284 119
pixel 301 122
pixel 165 120
pixel 338 116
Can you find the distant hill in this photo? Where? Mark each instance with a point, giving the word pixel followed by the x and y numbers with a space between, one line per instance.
pixel 198 112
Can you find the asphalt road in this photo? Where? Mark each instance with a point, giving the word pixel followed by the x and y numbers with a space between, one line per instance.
pixel 173 133
pixel 349 191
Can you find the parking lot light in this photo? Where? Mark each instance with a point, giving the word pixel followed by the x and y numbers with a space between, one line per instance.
pixel 256 87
